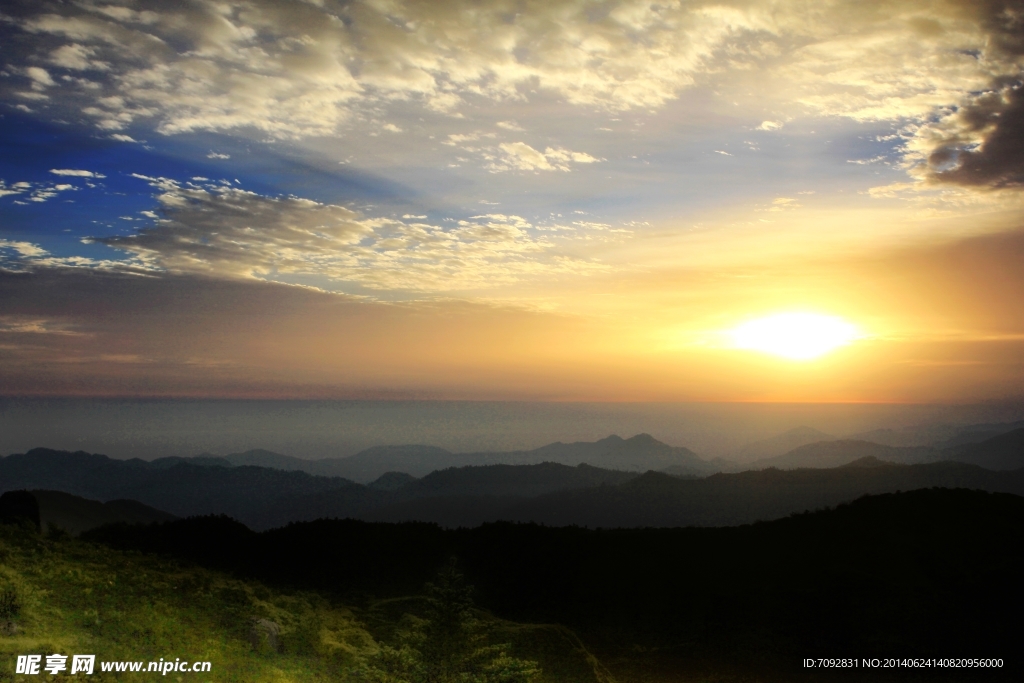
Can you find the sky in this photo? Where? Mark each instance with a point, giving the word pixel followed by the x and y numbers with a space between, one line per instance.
pixel 487 200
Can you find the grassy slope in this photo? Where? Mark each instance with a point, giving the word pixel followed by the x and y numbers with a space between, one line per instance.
pixel 82 598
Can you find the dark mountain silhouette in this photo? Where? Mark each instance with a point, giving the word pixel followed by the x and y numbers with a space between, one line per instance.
pixel 840 452
pixel 182 489
pixel 548 493
pixel 391 481
pixel 636 454
pixel 658 500
pixel 74 514
pixel 976 433
pixel 779 444
pixel 1002 452
pixel 867 461
pixel 512 480
pixel 265 497
pixel 201 460
pixel 639 453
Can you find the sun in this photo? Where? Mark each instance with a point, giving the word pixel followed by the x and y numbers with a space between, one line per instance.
pixel 797 336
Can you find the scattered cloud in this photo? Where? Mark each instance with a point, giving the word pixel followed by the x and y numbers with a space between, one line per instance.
pixel 304 70
pixel 217 155
pixel 34 192
pixel 222 231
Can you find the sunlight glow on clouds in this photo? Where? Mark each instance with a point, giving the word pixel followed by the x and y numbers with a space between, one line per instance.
pixel 651 170
pixel 216 229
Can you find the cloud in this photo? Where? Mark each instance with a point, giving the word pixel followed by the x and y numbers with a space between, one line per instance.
pixel 217 155
pixel 76 173
pixel 307 68
pixel 26 249
pixel 289 70
pixel 981 144
pixel 37 192
pixel 223 231
pixel 520 156
pixel 40 77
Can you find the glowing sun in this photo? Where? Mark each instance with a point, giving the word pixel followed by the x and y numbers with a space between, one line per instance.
pixel 797 336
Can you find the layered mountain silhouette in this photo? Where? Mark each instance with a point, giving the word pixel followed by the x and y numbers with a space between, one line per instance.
pixel 549 493
pixel 1002 452
pixel 635 454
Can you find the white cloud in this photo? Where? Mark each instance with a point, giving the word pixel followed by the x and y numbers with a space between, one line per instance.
pixel 309 69
pixel 37 192
pixel 26 249
pixel 40 77
pixel 217 155
pixel 78 173
pixel 520 156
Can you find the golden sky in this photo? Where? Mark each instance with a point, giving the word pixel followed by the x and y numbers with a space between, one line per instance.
pixel 508 200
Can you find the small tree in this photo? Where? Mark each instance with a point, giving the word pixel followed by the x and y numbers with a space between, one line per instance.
pixel 449 646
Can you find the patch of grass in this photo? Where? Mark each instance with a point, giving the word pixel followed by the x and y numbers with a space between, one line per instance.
pixel 74 597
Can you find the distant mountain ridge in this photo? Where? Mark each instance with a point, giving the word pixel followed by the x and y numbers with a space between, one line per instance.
pixel 1002 452
pixel 637 454
pixel 780 444
pixel 811 476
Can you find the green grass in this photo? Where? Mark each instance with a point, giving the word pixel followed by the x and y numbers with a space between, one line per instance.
pixel 77 597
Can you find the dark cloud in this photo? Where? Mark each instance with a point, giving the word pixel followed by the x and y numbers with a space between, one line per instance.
pixel 986 144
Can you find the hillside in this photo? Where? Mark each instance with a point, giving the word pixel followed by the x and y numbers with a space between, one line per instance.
pixel 87 598
pixel 888 575
pixel 73 514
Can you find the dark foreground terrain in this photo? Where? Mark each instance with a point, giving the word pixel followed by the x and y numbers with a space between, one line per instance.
pixel 931 573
